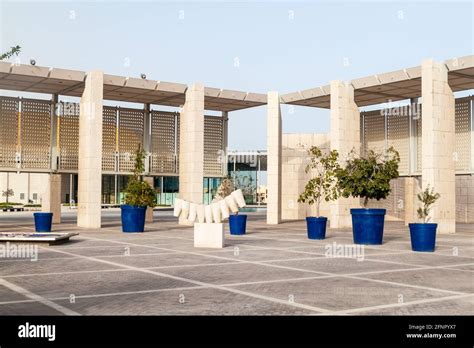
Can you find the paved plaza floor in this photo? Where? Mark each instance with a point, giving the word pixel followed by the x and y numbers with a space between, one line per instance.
pixel 272 270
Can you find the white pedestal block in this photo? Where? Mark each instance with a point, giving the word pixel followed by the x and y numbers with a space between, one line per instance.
pixel 208 235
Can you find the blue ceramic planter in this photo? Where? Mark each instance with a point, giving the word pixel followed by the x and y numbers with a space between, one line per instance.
pixel 133 218
pixel 237 224
pixel 423 237
pixel 316 227
pixel 367 226
pixel 43 222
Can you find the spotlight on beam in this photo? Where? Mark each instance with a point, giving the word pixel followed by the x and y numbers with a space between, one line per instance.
pixel 32 62
pixel 143 76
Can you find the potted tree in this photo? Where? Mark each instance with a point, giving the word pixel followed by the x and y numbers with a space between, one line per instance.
pixel 368 177
pixel 237 223
pixel 321 186
pixel 423 235
pixel 138 196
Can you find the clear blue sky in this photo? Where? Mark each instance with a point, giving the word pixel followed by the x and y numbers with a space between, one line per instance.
pixel 278 45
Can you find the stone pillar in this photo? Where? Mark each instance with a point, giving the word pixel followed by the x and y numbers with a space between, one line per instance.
pixel 51 199
pixel 438 142
pixel 344 136
pixel 274 158
pixel 191 147
pixel 90 152
pixel 149 211
pixel 410 202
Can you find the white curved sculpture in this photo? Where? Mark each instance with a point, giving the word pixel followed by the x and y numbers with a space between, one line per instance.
pixel 215 212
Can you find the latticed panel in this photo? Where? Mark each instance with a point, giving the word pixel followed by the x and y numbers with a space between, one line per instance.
pixel 163 142
pixel 463 134
pixel 374 131
pixel 35 134
pixel 131 123
pixel 213 145
pixel 398 136
pixel 395 202
pixel 178 137
pixel 109 138
pixel 9 108
pixel 68 135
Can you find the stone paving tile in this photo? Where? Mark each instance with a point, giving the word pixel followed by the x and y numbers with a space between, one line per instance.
pixel 236 273
pixel 147 261
pixel 439 278
pixel 27 308
pixel 196 302
pixel 338 294
pixel 341 265
pixel 464 306
pixel 50 265
pixel 465 268
pixel 116 250
pixel 260 254
pixel 95 283
pixel 9 295
pixel 165 239
pixel 425 259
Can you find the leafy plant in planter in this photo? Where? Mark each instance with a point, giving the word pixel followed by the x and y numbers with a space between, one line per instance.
pixel 423 235
pixel 321 187
pixel 368 177
pixel 138 196
pixel 237 223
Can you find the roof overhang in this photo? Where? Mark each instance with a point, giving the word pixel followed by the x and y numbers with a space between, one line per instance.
pixel 36 79
pixel 392 86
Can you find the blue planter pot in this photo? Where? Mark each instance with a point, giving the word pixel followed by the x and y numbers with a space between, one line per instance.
pixel 367 226
pixel 237 224
pixel 43 222
pixel 133 218
pixel 423 237
pixel 316 227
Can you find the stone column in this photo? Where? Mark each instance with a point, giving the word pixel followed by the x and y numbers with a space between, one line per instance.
pixel 90 152
pixel 438 142
pixel 344 136
pixel 274 158
pixel 51 199
pixel 149 211
pixel 410 202
pixel 191 147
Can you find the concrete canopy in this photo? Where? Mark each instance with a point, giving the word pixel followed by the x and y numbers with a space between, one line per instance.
pixel 395 85
pixel 29 78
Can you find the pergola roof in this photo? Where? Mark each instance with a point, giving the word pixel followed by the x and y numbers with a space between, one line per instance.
pixel 29 78
pixel 395 85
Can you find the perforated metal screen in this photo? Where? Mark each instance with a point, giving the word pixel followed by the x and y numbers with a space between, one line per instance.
pixel 35 134
pixel 109 138
pixel 463 134
pixel 398 136
pixel 68 136
pixel 9 108
pixel 164 142
pixel 130 137
pixel 213 145
pixel 374 131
